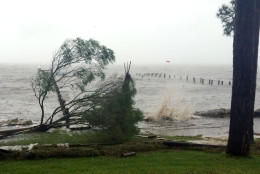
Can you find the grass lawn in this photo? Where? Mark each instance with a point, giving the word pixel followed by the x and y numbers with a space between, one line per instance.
pixel 167 161
pixel 152 157
pixel 55 137
pixel 61 136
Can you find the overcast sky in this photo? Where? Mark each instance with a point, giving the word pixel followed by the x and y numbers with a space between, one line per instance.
pixel 144 31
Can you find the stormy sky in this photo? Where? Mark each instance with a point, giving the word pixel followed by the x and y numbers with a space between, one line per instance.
pixel 143 31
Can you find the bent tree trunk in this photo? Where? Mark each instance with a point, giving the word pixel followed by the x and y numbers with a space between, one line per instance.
pixel 60 99
pixel 62 103
pixel 245 51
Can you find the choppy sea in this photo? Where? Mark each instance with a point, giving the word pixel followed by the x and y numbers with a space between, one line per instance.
pixel 156 85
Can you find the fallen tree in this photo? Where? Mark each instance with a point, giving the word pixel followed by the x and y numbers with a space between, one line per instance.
pixel 74 66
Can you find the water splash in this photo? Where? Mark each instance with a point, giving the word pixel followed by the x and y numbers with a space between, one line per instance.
pixel 171 108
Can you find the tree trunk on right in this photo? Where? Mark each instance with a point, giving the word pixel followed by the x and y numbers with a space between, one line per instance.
pixel 245 55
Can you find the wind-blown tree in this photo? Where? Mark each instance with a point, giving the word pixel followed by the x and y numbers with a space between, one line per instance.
pixel 76 64
pixel 245 55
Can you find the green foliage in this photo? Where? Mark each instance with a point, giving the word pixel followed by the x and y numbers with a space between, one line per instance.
pixel 116 115
pixel 75 65
pixel 43 82
pixel 42 85
pixel 83 59
pixel 226 13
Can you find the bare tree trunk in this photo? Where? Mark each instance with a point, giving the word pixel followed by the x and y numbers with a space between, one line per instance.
pixel 42 109
pixel 245 51
pixel 42 126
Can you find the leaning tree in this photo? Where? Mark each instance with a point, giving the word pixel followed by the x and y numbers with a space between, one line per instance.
pixel 74 66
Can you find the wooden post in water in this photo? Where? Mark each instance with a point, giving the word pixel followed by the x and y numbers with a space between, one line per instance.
pixel 202 80
pixel 222 83
pixel 194 80
pixel 187 78
pixel 164 75
pixel 211 82
pixel 229 83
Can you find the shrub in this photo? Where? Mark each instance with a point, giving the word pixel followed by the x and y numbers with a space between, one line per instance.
pixel 115 116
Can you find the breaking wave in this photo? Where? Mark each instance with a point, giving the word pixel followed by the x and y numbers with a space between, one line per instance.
pixel 171 108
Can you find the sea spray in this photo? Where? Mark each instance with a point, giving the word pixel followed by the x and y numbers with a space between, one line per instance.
pixel 171 108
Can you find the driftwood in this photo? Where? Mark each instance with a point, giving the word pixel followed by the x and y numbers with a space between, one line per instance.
pixel 6 133
pixel 17 130
pixel 186 144
pixel 10 132
pixel 16 121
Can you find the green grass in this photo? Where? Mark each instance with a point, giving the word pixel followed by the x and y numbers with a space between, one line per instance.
pixel 57 136
pixel 152 157
pixel 175 161
pixel 55 151
pixel 60 136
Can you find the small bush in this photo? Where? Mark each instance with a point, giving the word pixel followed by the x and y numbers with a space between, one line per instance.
pixel 116 116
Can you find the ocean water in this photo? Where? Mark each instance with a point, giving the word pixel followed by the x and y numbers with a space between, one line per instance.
pixel 17 99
